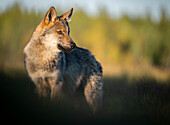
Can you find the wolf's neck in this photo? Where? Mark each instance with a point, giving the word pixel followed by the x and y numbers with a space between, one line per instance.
pixel 40 55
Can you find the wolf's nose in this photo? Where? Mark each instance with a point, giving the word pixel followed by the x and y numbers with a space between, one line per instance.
pixel 72 45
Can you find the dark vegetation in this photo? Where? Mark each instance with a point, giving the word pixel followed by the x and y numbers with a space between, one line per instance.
pixel 143 101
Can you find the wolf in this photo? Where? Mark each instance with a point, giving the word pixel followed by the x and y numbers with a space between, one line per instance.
pixel 54 62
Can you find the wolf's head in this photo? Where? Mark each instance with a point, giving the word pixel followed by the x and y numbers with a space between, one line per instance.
pixel 53 31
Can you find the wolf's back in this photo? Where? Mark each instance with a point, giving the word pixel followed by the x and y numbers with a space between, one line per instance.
pixel 84 61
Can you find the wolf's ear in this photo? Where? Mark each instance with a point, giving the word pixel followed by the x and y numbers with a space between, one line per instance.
pixel 67 15
pixel 51 16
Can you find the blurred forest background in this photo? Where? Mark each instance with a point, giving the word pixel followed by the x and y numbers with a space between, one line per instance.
pixel 134 46
pixel 134 53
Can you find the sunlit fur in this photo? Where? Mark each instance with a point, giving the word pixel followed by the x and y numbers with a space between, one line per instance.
pixel 55 63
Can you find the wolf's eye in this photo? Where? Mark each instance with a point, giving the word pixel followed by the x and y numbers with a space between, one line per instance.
pixel 59 32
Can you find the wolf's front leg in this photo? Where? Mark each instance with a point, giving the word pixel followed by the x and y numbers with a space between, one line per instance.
pixel 56 87
pixel 43 89
pixel 56 91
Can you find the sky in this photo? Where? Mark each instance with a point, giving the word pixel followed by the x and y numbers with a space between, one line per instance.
pixel 115 8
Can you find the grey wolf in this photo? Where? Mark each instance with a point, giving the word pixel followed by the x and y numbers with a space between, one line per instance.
pixel 54 62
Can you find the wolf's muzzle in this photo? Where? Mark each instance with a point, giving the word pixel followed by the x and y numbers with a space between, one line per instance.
pixel 66 47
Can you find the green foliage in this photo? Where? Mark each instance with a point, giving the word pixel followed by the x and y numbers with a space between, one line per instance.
pixel 16 26
pixel 123 40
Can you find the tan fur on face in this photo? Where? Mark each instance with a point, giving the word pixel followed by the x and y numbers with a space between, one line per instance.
pixel 46 23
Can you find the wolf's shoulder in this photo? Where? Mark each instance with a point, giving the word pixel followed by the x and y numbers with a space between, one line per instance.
pixel 80 53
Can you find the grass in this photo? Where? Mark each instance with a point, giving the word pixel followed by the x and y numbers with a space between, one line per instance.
pixel 138 101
